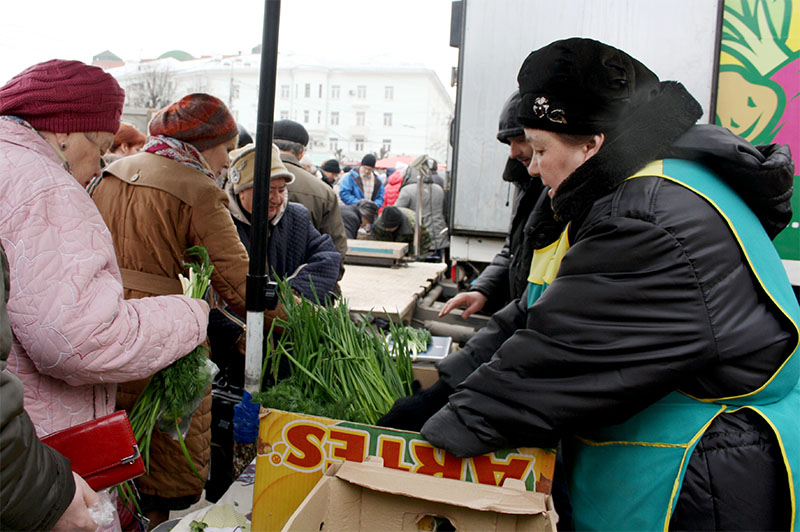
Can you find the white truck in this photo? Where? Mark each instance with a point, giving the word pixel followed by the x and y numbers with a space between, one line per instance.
pixel 678 39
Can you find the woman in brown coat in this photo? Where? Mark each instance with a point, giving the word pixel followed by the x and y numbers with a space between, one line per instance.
pixel 157 204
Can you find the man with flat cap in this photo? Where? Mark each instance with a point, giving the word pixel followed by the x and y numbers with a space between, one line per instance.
pixel 320 200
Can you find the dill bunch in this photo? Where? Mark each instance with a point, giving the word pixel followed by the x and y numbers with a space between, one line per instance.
pixel 174 393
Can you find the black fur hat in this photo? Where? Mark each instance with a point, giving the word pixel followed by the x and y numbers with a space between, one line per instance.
pixel 581 86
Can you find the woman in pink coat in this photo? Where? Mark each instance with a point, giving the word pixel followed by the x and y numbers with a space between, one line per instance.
pixel 75 334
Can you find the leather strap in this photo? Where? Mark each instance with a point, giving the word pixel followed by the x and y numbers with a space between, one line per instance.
pixel 150 283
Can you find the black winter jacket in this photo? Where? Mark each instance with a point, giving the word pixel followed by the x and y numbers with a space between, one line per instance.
pixel 654 295
pixel 351 218
pixel 532 226
pixel 299 252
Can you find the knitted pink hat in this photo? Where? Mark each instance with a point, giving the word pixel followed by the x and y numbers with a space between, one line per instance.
pixel 64 97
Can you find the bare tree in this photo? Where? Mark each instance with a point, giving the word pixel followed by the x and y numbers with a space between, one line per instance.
pixel 154 89
pixel 384 152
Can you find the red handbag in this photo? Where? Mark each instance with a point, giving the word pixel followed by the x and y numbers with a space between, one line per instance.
pixel 103 451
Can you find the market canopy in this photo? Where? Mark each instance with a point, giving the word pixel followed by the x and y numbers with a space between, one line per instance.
pixel 391 162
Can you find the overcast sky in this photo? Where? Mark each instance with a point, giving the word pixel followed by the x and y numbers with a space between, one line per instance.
pixel 404 30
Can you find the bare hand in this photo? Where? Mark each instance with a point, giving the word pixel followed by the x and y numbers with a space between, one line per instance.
pixel 77 515
pixel 471 301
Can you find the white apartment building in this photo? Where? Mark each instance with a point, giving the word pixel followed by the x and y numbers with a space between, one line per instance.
pixel 348 108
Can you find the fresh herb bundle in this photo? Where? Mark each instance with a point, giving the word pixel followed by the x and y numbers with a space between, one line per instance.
pixel 173 394
pixel 340 368
pixel 410 339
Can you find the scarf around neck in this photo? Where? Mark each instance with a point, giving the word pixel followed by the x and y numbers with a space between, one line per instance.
pixel 178 151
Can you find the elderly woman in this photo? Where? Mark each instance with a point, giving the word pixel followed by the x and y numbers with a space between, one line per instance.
pixel 127 141
pixel 657 335
pixel 158 203
pixel 75 336
pixel 296 251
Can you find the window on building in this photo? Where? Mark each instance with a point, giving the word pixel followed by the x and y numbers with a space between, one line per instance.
pixel 361 92
pixel 305 117
pixel 320 91
pixel 335 92
pixel 359 143
pixel 361 118
pixel 285 94
pixel 388 93
pixel 307 93
pixel 334 143
pixel 284 115
pixel 319 117
pixel 387 119
pixel 387 145
pixel 334 118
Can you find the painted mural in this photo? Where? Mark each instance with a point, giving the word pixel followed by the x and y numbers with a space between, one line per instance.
pixel 759 85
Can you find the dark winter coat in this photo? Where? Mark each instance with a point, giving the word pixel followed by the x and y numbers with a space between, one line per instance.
pixel 532 226
pixel 351 218
pixel 320 200
pixel 36 484
pixel 654 295
pixel 296 250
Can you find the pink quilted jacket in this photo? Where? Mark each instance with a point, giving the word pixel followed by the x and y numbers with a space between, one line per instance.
pixel 75 335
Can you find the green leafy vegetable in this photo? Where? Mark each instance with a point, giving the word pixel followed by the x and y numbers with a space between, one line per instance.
pixel 340 368
pixel 172 395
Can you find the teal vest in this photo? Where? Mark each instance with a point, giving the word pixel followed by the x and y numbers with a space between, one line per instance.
pixel 628 476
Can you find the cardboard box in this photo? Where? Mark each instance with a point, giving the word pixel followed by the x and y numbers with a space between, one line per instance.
pixel 365 496
pixel 294 450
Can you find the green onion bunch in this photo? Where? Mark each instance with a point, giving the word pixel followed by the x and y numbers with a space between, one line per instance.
pixel 173 394
pixel 340 368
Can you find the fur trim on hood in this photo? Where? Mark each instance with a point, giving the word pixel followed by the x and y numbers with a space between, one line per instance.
pixel 638 139
pixel 663 128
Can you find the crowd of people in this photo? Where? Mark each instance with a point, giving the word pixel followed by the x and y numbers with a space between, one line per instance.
pixel 642 320
pixel 383 205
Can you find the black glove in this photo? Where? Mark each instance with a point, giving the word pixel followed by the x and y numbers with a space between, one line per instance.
pixel 410 413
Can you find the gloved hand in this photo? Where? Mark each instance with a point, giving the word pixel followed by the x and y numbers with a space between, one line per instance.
pixel 410 413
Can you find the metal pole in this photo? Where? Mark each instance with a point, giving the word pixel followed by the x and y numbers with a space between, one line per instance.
pixel 418 225
pixel 257 277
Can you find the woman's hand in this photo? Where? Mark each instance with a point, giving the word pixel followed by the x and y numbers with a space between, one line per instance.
pixel 77 515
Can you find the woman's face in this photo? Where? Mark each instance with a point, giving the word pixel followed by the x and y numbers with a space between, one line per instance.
pixel 84 151
pixel 217 157
pixel 277 192
pixel 554 159
pixel 129 149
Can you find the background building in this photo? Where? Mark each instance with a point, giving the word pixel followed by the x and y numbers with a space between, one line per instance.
pixel 348 108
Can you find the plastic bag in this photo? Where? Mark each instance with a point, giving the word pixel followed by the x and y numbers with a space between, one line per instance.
pixel 245 420
pixel 103 512
pixel 167 425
